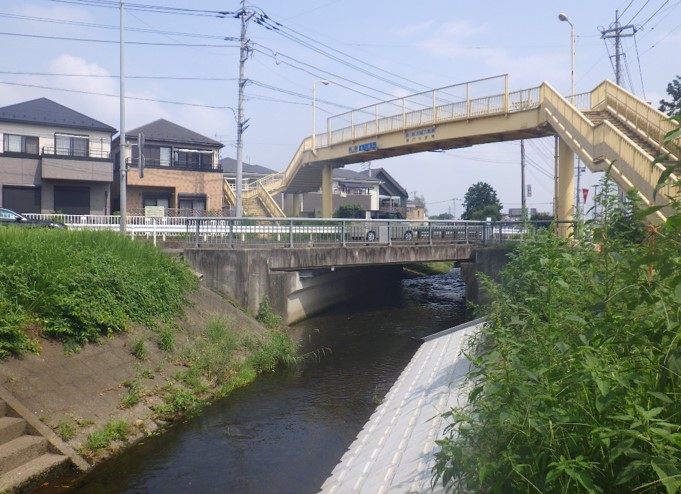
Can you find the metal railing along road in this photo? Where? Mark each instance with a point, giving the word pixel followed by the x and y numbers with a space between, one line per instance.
pixel 233 232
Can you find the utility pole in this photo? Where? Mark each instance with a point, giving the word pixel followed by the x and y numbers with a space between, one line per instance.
pixel 617 32
pixel 241 123
pixel 523 205
pixel 121 138
pixel 579 189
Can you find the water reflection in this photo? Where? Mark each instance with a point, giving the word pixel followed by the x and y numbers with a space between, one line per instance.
pixel 287 431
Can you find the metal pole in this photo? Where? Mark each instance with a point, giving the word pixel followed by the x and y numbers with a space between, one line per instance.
pixel 572 63
pixel 523 205
pixel 314 115
pixel 314 110
pixel 121 141
pixel 618 48
pixel 243 54
pixel 564 18
pixel 556 176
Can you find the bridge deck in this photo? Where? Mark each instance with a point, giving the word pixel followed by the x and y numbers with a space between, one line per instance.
pixel 395 450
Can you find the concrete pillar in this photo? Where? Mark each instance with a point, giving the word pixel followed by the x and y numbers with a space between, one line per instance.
pixel 327 191
pixel 566 186
pixel 296 200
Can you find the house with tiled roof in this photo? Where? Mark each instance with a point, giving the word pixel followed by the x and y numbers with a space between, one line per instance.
pixel 181 170
pixel 392 196
pixel 54 159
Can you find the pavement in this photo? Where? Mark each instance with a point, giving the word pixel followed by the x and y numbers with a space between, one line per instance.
pixel 394 452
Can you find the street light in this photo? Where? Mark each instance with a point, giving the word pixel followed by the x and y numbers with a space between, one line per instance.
pixel 564 18
pixel 314 109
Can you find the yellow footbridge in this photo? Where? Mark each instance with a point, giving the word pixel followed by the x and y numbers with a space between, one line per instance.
pixel 607 128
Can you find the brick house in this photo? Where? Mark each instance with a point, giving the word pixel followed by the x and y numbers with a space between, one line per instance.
pixel 54 159
pixel 181 171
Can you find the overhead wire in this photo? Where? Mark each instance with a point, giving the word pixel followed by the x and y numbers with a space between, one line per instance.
pixel 267 22
pixel 138 98
pixel 147 8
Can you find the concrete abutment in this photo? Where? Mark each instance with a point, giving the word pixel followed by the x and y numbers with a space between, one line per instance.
pixel 303 281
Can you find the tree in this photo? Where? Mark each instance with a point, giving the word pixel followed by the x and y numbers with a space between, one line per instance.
pixel 442 216
pixel 347 211
pixel 672 107
pixel 481 202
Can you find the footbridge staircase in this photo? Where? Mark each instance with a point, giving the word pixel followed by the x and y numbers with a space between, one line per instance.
pixel 608 128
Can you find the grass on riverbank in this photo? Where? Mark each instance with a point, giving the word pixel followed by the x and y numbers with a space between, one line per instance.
pixel 78 287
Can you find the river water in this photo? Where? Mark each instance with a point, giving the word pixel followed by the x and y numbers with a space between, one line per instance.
pixel 287 431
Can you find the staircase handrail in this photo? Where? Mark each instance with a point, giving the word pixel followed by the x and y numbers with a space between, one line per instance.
pixel 607 142
pixel 268 201
pixel 275 182
pixel 229 193
pixel 581 126
pixel 654 123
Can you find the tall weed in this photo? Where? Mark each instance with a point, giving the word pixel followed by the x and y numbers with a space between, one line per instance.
pixel 575 381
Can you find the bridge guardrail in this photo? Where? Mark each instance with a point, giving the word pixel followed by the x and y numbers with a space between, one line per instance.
pixel 231 232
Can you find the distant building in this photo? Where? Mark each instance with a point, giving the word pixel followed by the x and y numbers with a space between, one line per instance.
pixel 392 196
pixel 181 171
pixel 517 213
pixel 54 159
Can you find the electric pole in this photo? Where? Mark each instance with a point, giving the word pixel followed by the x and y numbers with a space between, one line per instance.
pixel 617 32
pixel 241 123
pixel 523 205
pixel 123 183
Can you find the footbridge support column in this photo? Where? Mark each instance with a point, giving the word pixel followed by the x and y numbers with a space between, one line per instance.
pixel 297 201
pixel 327 191
pixel 565 200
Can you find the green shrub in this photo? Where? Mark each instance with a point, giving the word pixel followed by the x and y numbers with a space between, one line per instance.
pixel 266 317
pixel 84 285
pixel 575 381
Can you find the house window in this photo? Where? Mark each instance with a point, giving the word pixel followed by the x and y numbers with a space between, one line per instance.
pixel 164 156
pixel 20 144
pixel 157 200
pixel 193 203
pixel 194 158
pixel 71 145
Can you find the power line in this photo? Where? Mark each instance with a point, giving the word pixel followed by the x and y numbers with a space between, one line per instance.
pixel 147 8
pixel 116 95
pixel 111 27
pixel 92 40
pixel 279 28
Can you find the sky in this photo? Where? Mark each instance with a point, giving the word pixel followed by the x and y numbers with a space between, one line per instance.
pixel 184 66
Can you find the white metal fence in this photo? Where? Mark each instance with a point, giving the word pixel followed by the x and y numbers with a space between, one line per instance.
pixel 233 232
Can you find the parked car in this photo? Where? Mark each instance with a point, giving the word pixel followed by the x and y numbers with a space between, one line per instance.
pixel 373 230
pixel 9 217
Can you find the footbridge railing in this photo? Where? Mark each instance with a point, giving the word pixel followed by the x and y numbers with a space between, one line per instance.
pixel 484 97
pixel 232 232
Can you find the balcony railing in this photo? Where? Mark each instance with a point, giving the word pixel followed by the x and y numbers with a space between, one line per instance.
pixel 74 153
pixel 175 165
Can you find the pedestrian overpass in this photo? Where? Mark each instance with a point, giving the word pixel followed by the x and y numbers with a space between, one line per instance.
pixel 607 128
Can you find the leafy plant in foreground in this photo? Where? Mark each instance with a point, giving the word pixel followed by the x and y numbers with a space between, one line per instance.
pixel 574 384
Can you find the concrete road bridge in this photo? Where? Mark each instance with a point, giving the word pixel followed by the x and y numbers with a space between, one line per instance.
pixel 607 127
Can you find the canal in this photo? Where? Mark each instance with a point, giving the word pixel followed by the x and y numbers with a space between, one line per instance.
pixel 287 431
